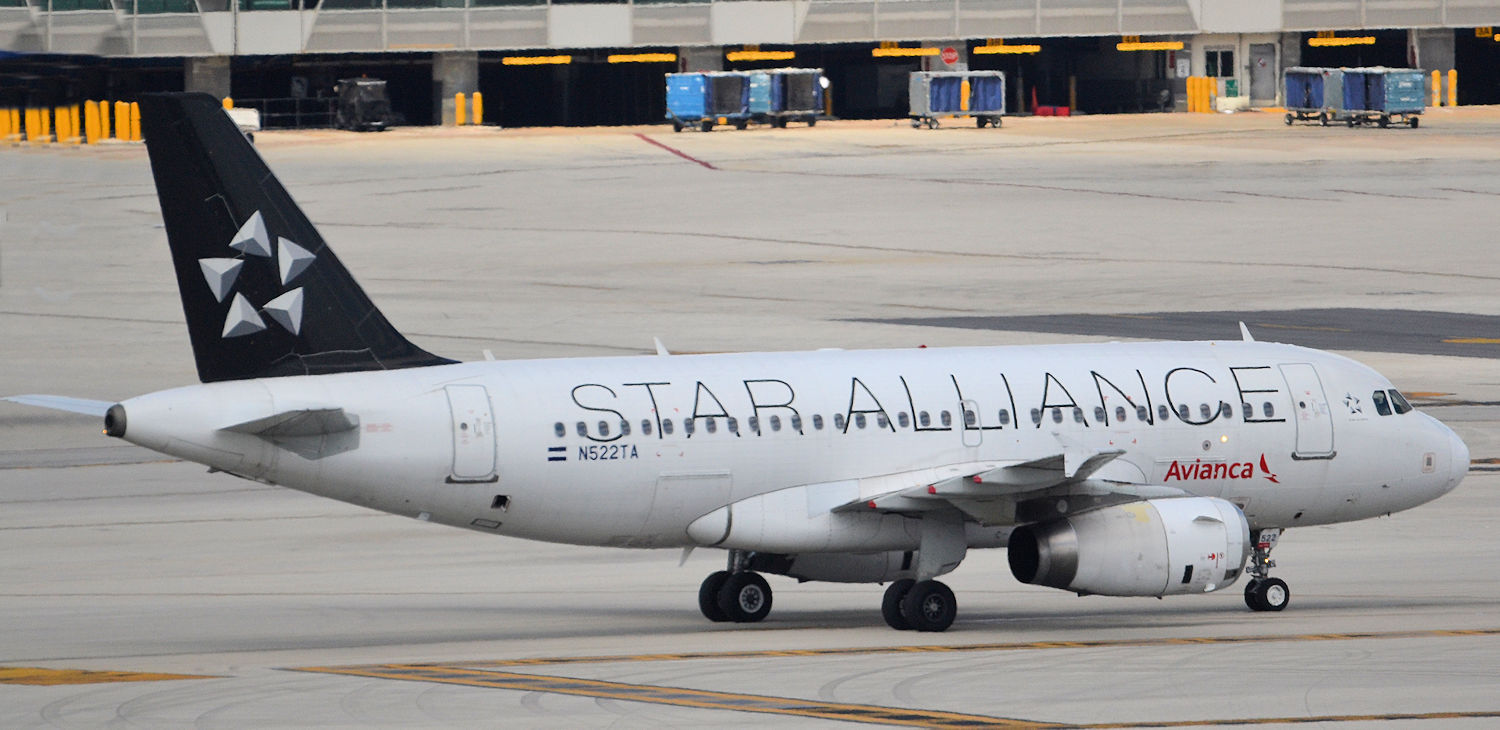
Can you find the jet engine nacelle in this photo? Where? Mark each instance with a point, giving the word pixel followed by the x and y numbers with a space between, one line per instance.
pixel 1158 547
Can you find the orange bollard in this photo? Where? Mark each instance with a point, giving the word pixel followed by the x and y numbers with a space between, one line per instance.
pixel 1437 88
pixel 90 122
pixel 1452 87
pixel 75 125
pixel 478 108
pixel 458 109
pixel 122 121
pixel 103 119
pixel 228 103
pixel 135 121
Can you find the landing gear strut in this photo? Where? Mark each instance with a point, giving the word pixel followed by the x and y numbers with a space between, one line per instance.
pixel 922 603
pixel 736 594
pixel 1264 593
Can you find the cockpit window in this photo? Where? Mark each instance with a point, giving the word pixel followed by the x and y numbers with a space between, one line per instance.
pixel 1399 401
pixel 1382 406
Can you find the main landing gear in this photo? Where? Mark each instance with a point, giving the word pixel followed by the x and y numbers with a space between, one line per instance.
pixel 926 605
pixel 736 594
pixel 1264 593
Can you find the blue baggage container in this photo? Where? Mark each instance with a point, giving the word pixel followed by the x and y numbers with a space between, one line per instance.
pixel 945 95
pixel 1356 90
pixel 1382 95
pixel 1403 91
pixel 977 94
pixel 1304 89
pixel 701 98
pixel 987 94
pixel 760 94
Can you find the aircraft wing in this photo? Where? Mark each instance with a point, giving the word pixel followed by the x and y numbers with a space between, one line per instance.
pixel 997 493
pixel 63 403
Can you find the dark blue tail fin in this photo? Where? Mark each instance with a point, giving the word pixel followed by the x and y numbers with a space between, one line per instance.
pixel 263 294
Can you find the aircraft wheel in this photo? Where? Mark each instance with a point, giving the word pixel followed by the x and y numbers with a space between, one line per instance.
pixel 929 606
pixel 1268 594
pixel 890 607
pixel 708 596
pixel 745 598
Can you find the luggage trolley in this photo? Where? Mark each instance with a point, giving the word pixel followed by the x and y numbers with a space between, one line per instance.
pixel 1382 95
pixel 1307 92
pixel 935 94
pixel 782 95
pixel 701 98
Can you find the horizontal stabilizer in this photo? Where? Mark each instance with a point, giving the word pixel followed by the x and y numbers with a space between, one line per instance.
pixel 304 422
pixel 63 403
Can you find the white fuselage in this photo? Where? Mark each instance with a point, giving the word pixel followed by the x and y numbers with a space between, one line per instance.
pixel 536 449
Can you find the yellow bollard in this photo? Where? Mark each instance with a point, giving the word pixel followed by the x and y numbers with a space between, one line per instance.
pixel 33 125
pixel 1192 89
pixel 75 125
pixel 963 95
pixel 60 123
pixel 1452 87
pixel 122 121
pixel 103 119
pixel 4 125
pixel 135 121
pixel 458 109
pixel 478 108
pixel 228 103
pixel 90 122
pixel 1437 88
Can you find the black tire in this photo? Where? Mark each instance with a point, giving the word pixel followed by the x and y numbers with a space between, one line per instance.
pixel 741 124
pixel 1414 122
pixel 708 595
pixel 676 126
pixel 1349 123
pixel 916 124
pixel 1250 589
pixel 1384 121
pixel 1323 119
pixel 980 122
pixel 812 122
pixel 1289 119
pixel 706 125
pixel 745 598
pixel 1270 594
pixel 929 606
pixel 890 606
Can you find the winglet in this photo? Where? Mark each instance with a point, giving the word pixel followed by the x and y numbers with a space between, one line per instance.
pixel 1245 333
pixel 660 348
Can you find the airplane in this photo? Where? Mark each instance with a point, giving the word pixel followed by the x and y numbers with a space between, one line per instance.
pixel 1119 469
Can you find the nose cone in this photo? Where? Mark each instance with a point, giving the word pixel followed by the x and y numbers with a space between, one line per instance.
pixel 1460 464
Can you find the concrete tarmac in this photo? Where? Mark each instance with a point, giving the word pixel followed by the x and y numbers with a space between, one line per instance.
pixel 534 243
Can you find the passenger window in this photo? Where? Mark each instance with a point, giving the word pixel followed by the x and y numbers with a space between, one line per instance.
pixel 797 422
pixel 603 428
pixel 1057 415
pixel 1225 410
pixel 1004 417
pixel 1382 406
pixel 1162 413
pixel 582 429
pixel 624 428
pixel 1077 415
pixel 1141 414
pixel 859 420
pixel 903 419
pixel 838 421
pixel 711 425
pixel 775 423
pixel 646 426
pixel 1099 413
pixel 818 421
pixel 946 418
pixel 1399 401
pixel 560 429
pixel 1248 410
pixel 970 418
pixel 755 425
pixel 1182 411
pixel 1268 409
pixel 689 425
pixel 882 421
pixel 1120 413
pixel 1203 411
pixel 924 419
pixel 734 425
pixel 666 426
pixel 1036 416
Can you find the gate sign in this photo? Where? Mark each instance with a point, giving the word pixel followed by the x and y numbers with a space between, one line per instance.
pixel 950 55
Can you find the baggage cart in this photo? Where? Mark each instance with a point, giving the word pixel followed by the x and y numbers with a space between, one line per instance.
pixel 936 94
pixel 1382 95
pixel 1307 91
pixel 702 98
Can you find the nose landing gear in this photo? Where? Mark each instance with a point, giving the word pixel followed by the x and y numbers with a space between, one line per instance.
pixel 1264 593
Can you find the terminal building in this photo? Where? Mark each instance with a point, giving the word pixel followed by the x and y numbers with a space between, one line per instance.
pixel 566 62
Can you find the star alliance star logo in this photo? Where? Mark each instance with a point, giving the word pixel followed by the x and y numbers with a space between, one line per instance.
pixel 1352 402
pixel 244 318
